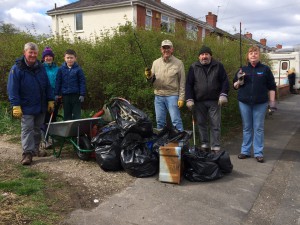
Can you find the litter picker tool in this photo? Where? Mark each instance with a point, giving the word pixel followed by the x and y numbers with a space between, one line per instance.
pixel 193 149
pixel 136 39
pixel 240 44
pixel 240 74
pixel 45 140
pixel 194 130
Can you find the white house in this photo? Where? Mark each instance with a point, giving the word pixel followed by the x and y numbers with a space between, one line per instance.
pixel 85 18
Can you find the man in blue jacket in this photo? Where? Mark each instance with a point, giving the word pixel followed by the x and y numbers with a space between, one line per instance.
pixel 206 90
pixel 30 95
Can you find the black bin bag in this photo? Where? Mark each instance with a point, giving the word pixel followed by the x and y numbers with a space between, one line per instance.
pixel 136 157
pixel 171 134
pixel 222 159
pixel 197 169
pixel 129 118
pixel 107 134
pixel 108 147
pixel 108 157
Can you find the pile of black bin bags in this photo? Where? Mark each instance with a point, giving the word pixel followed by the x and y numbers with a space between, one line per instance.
pixel 204 166
pixel 129 143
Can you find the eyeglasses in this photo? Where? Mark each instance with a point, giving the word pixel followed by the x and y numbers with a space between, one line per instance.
pixel 166 47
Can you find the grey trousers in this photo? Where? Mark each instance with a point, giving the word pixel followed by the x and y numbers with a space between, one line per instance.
pixel 31 132
pixel 208 115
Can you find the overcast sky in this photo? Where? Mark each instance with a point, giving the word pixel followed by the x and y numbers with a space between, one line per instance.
pixel 276 20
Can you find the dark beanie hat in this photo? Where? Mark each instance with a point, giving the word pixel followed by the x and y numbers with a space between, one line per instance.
pixel 205 49
pixel 47 51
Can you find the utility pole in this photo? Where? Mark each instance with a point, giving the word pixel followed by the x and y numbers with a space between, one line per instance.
pixel 218 10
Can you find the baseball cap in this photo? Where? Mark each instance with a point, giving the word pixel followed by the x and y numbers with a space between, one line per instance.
pixel 166 42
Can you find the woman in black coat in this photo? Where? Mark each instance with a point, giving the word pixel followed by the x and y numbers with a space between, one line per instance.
pixel 292 79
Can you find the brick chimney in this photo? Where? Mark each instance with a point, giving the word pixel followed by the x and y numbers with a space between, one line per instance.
pixel 263 41
pixel 212 19
pixel 278 46
pixel 248 35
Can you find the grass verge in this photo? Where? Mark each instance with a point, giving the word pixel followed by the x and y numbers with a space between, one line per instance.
pixel 28 196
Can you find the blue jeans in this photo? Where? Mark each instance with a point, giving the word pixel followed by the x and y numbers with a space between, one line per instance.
pixel 164 104
pixel 253 117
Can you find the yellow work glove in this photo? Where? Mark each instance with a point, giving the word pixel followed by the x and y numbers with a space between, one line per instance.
pixel 148 73
pixel 50 106
pixel 17 112
pixel 180 103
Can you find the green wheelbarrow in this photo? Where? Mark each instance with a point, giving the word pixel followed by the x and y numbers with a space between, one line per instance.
pixel 77 132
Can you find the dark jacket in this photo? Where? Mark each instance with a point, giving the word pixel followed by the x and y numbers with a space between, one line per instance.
pixel 292 78
pixel 70 81
pixel 202 85
pixel 258 81
pixel 29 87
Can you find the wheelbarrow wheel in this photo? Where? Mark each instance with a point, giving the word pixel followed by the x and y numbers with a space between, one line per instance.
pixel 84 143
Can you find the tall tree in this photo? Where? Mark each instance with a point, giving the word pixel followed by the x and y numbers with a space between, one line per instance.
pixel 8 28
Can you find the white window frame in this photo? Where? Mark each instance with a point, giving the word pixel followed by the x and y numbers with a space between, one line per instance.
pixel 203 33
pixel 148 20
pixel 192 31
pixel 167 24
pixel 78 19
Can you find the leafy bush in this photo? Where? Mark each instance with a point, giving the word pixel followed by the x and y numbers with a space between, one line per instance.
pixel 114 64
pixel 8 125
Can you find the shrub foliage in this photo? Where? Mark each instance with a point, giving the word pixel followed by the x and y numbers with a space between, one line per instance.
pixel 114 64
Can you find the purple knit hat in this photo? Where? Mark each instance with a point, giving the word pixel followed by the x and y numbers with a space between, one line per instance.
pixel 47 51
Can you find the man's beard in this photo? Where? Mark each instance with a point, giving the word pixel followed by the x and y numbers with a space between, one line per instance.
pixel 205 61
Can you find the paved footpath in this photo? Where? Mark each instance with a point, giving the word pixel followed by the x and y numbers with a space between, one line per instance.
pixel 254 193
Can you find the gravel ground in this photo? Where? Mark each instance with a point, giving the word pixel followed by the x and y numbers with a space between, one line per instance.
pixel 86 174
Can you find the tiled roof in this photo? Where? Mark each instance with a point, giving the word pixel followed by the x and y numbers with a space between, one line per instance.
pixel 87 3
pixel 224 33
pixel 252 41
pixel 97 4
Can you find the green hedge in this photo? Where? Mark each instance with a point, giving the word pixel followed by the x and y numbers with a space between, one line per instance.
pixel 114 66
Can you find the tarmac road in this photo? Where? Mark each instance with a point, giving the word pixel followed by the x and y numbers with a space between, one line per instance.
pixel 254 193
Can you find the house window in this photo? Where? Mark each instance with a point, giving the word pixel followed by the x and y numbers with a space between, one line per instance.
pixel 203 33
pixel 191 31
pixel 148 24
pixel 78 21
pixel 167 24
pixel 284 66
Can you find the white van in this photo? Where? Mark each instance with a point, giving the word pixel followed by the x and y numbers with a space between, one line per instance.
pixel 281 62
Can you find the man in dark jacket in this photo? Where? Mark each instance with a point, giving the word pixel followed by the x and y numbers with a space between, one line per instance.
pixel 206 90
pixel 30 95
